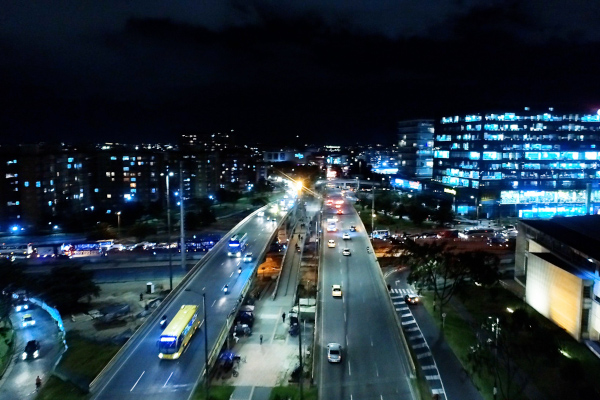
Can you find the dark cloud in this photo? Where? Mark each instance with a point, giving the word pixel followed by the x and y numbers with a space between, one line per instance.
pixel 145 71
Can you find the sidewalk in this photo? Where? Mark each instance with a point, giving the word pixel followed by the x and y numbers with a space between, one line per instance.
pixel 271 363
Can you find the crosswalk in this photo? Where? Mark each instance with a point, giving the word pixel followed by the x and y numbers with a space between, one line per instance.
pixel 417 341
pixel 402 292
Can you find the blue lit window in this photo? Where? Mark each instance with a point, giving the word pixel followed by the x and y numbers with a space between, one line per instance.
pixel 68 166
pixel 50 204
pixel 113 158
pixel 125 158
pixel 591 155
pixel 26 184
pixel 133 179
pixel 70 159
pixel 474 155
pixel 38 184
pixel 96 190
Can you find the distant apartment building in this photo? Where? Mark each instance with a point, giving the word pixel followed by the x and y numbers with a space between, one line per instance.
pixel 558 262
pixel 42 184
pixel 415 148
pixel 526 164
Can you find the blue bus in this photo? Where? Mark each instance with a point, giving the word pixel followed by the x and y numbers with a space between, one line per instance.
pixel 237 245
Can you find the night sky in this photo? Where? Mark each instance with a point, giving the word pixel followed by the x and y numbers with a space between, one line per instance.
pixel 325 70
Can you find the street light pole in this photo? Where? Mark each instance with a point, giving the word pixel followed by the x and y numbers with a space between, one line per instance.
pixel 496 331
pixel 206 382
pixel 181 216
pixel 119 224
pixel 169 231
pixel 372 210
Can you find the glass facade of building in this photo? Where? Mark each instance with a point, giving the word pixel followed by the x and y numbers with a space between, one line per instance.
pixel 536 164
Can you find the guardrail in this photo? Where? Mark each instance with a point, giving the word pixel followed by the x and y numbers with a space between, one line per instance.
pixel 174 293
pixel 274 296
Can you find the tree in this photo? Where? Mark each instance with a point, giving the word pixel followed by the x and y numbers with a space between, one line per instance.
pixel 440 269
pixel 227 196
pixel 443 213
pixel 141 231
pixel 11 278
pixel 64 287
pixel 102 231
pixel 417 212
pixel 503 343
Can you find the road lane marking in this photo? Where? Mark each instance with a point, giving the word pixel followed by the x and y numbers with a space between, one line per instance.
pixel 371 341
pixel 349 370
pixel 344 317
pixel 213 303
pixel 136 382
pixel 231 275
pixel 168 380
pixel 376 370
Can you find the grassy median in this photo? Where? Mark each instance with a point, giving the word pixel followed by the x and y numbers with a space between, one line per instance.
pixel 80 364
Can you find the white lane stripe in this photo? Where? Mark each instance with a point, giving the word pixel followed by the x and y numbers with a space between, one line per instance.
pixel 426 367
pixel 136 382
pixel 432 377
pixel 168 379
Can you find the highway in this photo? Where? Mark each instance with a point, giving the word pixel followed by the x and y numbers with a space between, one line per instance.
pixel 139 373
pixel 374 362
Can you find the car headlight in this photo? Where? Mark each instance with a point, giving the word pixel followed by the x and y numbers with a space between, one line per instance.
pixel 24 355
pixel 36 354
pixel 18 308
pixel 160 355
pixel 24 324
pixel 32 322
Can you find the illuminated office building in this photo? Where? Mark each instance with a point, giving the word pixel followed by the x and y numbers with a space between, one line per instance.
pixel 528 164
pixel 415 148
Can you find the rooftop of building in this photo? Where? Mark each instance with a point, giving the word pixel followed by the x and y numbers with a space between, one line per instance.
pixel 581 233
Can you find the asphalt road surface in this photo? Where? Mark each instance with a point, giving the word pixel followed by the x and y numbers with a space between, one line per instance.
pixel 139 373
pixel 19 380
pixel 374 362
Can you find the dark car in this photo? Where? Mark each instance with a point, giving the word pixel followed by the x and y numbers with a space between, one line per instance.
pixel 352 228
pixel 411 299
pixel 32 350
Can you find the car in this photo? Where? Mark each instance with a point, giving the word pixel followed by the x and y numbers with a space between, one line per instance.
pixel 334 352
pixel 32 350
pixel 346 252
pixel 261 214
pixel 339 211
pixel 346 236
pixel 28 320
pixel 411 299
pixel 331 243
pixel 352 228
pixel 336 290
pixel 21 306
pixel 248 257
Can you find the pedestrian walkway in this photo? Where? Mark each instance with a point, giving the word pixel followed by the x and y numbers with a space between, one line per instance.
pixel 270 354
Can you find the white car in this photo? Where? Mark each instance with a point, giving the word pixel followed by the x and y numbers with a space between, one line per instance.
pixel 346 236
pixel 331 243
pixel 248 257
pixel 336 290
pixel 261 214
pixel 28 320
pixel 346 252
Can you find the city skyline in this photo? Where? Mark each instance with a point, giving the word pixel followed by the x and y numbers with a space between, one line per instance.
pixel 284 73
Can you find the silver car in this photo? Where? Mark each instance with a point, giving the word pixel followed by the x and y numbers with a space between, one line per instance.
pixel 334 352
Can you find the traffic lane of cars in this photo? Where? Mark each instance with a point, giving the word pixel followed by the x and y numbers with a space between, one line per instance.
pixel 142 373
pixel 332 323
pixel 20 379
pixel 367 326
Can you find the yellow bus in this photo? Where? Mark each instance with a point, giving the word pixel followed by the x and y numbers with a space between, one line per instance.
pixel 176 336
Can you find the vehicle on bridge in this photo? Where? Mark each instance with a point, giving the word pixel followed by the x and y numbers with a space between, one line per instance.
pixel 176 336
pixel 28 320
pixel 346 252
pixel 331 243
pixel 237 245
